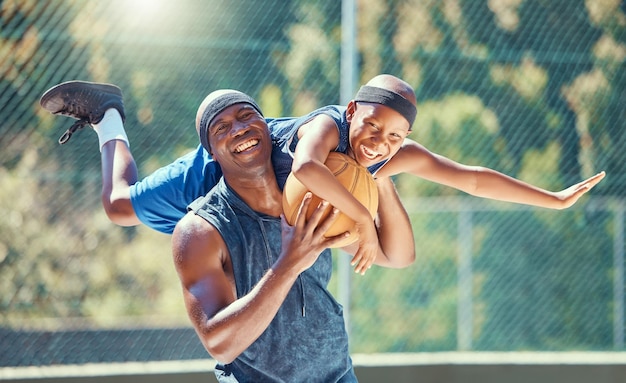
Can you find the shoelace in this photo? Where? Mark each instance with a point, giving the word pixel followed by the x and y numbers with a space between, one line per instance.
pixel 73 109
pixel 75 126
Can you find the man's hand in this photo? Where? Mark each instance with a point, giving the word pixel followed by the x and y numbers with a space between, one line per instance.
pixel 303 242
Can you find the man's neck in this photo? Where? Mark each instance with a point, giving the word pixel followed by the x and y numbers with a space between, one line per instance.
pixel 260 193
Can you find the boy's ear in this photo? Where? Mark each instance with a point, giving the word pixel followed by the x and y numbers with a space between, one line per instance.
pixel 350 109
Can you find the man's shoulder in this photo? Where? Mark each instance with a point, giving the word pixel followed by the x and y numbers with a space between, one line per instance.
pixel 198 249
pixel 204 216
pixel 195 235
pixel 194 226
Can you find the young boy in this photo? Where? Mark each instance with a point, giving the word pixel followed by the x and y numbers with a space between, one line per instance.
pixel 372 128
pixel 374 131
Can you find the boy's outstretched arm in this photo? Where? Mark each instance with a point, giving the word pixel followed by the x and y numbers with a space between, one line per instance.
pixel 479 181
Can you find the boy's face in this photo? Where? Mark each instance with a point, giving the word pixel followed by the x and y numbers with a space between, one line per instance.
pixel 376 132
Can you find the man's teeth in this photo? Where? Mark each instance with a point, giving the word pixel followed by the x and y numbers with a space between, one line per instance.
pixel 246 145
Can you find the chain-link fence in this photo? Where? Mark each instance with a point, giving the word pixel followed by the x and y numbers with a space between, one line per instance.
pixel 535 89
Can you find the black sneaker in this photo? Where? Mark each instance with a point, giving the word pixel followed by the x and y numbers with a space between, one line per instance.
pixel 82 100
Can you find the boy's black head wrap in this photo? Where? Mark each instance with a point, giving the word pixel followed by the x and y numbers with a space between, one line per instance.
pixel 388 98
pixel 216 106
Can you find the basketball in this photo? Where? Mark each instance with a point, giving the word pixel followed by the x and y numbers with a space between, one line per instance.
pixel 354 177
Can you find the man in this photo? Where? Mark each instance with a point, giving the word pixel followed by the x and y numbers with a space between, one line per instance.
pixel 261 309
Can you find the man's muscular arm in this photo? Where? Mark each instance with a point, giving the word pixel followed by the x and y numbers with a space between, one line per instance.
pixel 227 325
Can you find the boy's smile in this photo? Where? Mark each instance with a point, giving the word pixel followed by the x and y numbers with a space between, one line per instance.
pixel 376 133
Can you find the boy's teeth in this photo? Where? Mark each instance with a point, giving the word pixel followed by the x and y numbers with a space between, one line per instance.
pixel 369 153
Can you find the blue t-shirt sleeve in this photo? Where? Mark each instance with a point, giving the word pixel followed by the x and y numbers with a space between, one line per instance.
pixel 160 200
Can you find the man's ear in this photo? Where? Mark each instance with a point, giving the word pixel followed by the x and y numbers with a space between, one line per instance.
pixel 350 109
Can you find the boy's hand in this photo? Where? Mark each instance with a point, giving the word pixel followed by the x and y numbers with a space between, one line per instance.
pixel 570 196
pixel 368 247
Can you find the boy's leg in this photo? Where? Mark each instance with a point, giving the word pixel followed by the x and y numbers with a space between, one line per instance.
pixel 101 106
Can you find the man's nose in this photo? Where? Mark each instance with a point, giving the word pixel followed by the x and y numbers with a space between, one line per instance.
pixel 239 128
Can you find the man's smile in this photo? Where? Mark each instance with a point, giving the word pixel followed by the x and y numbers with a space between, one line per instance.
pixel 246 145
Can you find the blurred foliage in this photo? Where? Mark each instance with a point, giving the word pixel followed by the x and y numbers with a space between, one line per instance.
pixel 535 89
pixel 54 268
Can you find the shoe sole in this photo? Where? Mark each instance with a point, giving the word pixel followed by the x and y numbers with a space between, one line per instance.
pixel 72 87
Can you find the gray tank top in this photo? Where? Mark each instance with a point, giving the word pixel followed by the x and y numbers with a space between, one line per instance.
pixel 306 341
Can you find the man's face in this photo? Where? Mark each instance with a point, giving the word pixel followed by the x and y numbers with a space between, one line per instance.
pixel 376 132
pixel 239 139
